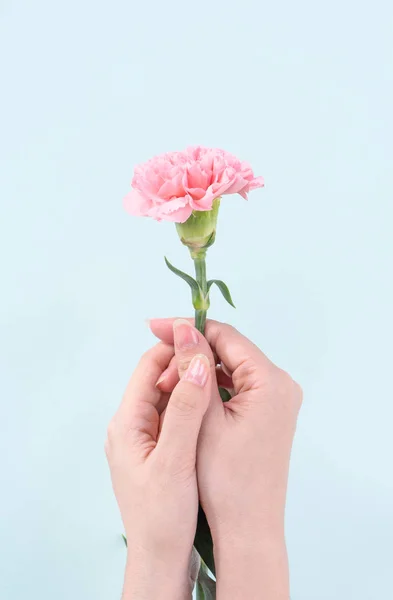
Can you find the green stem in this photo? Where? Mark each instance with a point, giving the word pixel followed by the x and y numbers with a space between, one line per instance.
pixel 203 539
pixel 199 259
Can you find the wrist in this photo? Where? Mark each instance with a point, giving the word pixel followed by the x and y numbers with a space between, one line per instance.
pixel 250 567
pixel 149 576
pixel 241 534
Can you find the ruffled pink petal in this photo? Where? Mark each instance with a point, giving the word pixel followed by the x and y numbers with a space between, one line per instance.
pixel 207 163
pixel 257 183
pixel 176 210
pixel 196 177
pixel 147 183
pixel 246 170
pixel 171 188
pixel 168 187
pixel 196 193
pixel 206 202
pixel 136 204
pixel 218 170
pixel 238 185
pixel 220 188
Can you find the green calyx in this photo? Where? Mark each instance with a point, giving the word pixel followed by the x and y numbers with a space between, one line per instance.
pixel 198 234
pixel 199 231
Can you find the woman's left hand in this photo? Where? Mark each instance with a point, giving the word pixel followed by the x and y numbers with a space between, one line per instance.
pixel 152 463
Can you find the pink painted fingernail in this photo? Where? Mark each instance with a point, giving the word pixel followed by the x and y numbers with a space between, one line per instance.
pixel 198 370
pixel 185 335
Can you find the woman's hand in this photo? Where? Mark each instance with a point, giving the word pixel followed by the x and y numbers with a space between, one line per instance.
pixel 152 463
pixel 243 457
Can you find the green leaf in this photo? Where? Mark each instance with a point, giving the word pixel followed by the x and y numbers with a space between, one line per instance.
pixel 203 541
pixel 197 294
pixel 205 586
pixel 124 539
pixel 223 289
pixel 225 395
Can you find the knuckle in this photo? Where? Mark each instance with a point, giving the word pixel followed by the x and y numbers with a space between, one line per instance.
pixel 298 394
pixel 147 355
pixel 246 376
pixel 107 447
pixel 183 363
pixel 225 331
pixel 286 387
pixel 112 433
pixel 282 388
pixel 146 361
pixel 283 382
pixel 149 360
pixel 228 328
pixel 111 430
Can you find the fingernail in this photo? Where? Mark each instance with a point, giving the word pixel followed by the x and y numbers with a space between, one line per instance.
pixel 147 321
pixel 198 370
pixel 226 370
pixel 185 335
pixel 162 377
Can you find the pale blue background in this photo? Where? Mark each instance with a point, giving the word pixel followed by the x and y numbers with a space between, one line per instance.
pixel 303 90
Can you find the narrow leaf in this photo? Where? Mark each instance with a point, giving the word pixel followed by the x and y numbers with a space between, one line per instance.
pixel 223 289
pixel 225 395
pixel 199 591
pixel 194 285
pixel 203 541
pixel 206 587
pixel 124 539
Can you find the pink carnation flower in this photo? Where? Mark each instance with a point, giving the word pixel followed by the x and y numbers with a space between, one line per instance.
pixel 171 186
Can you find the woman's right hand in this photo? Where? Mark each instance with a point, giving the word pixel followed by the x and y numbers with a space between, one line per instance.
pixel 243 457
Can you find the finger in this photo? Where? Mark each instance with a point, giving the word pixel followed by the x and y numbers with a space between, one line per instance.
pixel 223 380
pixel 225 369
pixel 138 416
pixel 237 352
pixel 183 416
pixel 169 378
pixel 141 389
pixel 230 345
pixel 234 348
pixel 188 341
pixel 163 328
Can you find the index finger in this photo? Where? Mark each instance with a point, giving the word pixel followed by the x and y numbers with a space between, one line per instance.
pixel 141 388
pixel 233 348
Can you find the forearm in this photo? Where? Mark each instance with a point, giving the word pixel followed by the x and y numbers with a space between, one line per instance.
pixel 256 571
pixel 152 578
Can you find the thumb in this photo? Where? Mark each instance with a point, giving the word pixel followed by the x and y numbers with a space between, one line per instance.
pixel 184 413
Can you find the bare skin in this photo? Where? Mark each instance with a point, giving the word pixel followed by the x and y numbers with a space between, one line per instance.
pixel 173 439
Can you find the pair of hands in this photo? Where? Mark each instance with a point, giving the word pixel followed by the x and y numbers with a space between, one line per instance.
pixel 173 441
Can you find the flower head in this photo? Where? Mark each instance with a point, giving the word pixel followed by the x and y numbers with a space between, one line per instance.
pixel 171 186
